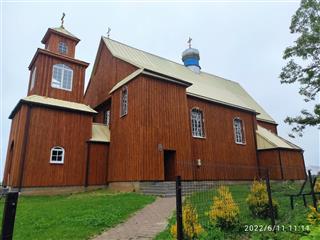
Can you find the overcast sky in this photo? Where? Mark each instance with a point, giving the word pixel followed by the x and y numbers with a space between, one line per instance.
pixel 243 42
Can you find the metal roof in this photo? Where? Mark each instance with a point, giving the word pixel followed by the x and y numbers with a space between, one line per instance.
pixel 64 31
pixel 268 140
pixel 204 85
pixel 100 133
pixel 46 101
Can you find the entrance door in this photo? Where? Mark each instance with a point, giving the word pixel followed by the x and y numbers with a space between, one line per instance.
pixel 169 165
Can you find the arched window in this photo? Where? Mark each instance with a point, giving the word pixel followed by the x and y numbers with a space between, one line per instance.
pixel 33 78
pixel 57 155
pixel 197 123
pixel 63 47
pixel 239 135
pixel 124 101
pixel 62 77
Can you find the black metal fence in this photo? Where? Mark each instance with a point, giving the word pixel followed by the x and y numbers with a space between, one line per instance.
pixel 205 204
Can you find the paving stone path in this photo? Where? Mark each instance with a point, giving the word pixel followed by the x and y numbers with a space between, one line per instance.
pixel 143 225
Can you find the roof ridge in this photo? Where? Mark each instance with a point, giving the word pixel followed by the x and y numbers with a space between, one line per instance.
pixel 180 64
pixel 138 49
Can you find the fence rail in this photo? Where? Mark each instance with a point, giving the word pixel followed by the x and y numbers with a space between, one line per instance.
pixel 197 201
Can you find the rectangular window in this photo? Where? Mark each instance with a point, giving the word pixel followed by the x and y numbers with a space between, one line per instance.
pixel 124 101
pixel 63 48
pixel 62 77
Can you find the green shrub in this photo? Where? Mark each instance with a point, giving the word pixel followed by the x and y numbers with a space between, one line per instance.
pixel 258 201
pixel 313 235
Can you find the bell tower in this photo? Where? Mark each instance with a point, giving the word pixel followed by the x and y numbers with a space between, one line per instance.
pixel 54 70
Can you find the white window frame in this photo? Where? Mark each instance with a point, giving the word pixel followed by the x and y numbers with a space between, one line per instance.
pixel 64 68
pixel 106 117
pixel 33 78
pixel 197 126
pixel 57 148
pixel 239 137
pixel 124 101
pixel 63 47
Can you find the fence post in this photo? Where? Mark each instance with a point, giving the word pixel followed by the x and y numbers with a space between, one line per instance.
pixel 9 214
pixel 314 200
pixel 271 209
pixel 179 208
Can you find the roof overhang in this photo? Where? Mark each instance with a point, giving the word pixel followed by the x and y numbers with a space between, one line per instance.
pixel 269 140
pixel 100 133
pixel 222 103
pixel 52 54
pixel 146 72
pixel 53 104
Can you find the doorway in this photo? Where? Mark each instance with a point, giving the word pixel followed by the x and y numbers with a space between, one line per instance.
pixel 169 165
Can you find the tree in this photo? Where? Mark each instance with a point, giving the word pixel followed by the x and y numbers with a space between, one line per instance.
pixel 303 66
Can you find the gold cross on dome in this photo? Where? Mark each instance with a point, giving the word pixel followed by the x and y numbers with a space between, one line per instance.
pixel 62 19
pixel 189 42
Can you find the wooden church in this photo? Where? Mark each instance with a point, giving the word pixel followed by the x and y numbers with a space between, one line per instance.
pixel 141 118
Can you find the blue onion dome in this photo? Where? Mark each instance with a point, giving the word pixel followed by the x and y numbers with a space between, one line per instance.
pixel 190 58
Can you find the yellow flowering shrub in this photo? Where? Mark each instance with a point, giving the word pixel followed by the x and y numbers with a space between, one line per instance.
pixel 258 201
pixel 224 212
pixel 314 216
pixel 191 226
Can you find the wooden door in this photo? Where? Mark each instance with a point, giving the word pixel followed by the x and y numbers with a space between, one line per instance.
pixel 169 165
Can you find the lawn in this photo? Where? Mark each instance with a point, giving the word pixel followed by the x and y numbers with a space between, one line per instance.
pixel 73 216
pixel 290 221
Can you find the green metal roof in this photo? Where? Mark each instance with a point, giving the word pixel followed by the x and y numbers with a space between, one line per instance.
pixel 204 85
pixel 64 31
pixel 268 140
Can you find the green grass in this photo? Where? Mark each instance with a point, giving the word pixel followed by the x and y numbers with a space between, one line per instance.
pixel 288 218
pixel 74 216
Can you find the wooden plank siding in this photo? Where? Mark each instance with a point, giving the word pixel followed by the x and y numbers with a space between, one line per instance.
pixel 52 44
pixel 270 126
pixel 221 157
pixel 159 116
pixel 49 128
pixel 16 139
pixel 293 164
pixel 42 87
pixel 283 164
pixel 98 160
pixel 269 160
pixel 107 71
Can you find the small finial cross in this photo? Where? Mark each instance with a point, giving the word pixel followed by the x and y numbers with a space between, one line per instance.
pixel 108 33
pixel 62 19
pixel 189 42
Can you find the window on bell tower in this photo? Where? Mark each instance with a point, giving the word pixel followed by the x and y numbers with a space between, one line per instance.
pixel 63 48
pixel 62 77
pixel 33 78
